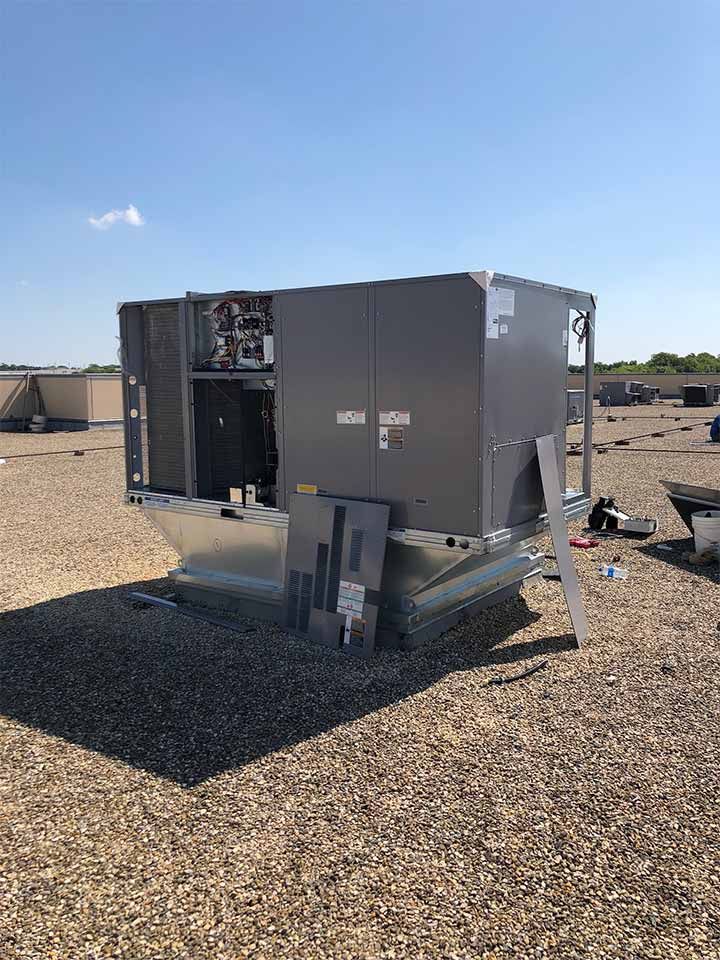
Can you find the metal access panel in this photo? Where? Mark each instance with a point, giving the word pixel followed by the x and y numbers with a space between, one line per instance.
pixel 427 361
pixel 335 558
pixel 324 363
pixel 524 396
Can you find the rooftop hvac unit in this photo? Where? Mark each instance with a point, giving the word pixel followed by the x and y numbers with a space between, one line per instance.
pixel 354 461
pixel 575 406
pixel 649 394
pixel 697 394
pixel 620 393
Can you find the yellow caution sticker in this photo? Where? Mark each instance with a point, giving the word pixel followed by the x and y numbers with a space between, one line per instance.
pixel 306 488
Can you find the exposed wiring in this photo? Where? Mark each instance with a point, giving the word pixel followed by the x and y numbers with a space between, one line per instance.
pixel 499 681
pixel 239 327
pixel 581 325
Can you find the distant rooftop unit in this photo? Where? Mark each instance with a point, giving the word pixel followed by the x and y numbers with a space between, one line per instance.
pixel 620 393
pixel 700 394
pixel 575 406
pixel 68 399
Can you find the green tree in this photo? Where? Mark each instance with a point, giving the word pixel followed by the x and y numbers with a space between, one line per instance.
pixel 102 368
pixel 670 362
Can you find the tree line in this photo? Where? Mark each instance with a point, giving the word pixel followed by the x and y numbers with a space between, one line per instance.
pixel 658 363
pixel 91 367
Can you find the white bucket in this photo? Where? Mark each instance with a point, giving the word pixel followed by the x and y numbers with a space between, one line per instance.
pixel 706 527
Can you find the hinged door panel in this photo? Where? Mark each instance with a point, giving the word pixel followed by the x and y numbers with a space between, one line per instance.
pixel 324 359
pixel 427 375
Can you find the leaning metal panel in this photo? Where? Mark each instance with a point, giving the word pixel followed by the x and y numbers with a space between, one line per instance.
pixel 547 456
pixel 336 552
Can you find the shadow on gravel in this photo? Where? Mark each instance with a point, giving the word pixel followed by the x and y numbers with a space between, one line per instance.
pixel 187 700
pixel 674 557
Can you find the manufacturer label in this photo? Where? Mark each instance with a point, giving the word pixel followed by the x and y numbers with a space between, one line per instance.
pixel 156 501
pixel 503 328
pixel 350 416
pixel 389 418
pixel 500 303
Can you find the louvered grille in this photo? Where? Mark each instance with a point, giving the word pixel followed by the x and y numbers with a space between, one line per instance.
pixel 166 445
pixel 356 546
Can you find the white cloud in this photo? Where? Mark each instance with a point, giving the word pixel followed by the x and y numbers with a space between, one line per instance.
pixel 131 216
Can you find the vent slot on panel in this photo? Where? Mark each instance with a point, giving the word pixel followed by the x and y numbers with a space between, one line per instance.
pixel 336 548
pixel 356 547
pixel 304 609
pixel 293 599
pixel 321 566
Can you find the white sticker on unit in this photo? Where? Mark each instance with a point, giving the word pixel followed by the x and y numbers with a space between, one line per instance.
pixel 352 589
pixel 383 440
pixel 389 418
pixel 351 598
pixel 503 328
pixel 348 605
pixel 565 338
pixel 505 302
pixel 492 331
pixel 348 628
pixel 350 416
pixel 268 349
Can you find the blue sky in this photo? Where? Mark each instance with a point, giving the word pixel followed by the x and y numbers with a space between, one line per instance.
pixel 277 144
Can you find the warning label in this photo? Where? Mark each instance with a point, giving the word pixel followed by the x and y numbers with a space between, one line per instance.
pixel 351 598
pixel 350 416
pixel 348 587
pixel 389 418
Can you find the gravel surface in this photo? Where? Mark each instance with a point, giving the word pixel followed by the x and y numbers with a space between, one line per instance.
pixel 170 790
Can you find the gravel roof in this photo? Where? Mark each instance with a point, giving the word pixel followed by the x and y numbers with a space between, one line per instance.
pixel 169 789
